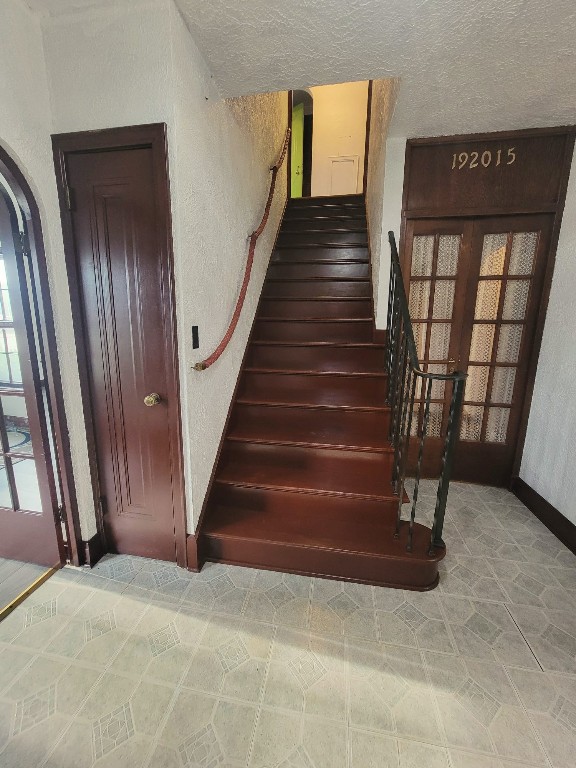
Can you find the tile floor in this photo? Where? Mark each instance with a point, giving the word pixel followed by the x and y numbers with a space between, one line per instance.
pixel 138 663
pixel 15 577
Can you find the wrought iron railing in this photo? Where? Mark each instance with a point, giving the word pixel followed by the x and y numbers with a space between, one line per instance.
pixel 409 396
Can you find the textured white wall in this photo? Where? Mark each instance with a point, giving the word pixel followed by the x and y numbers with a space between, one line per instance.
pixel 223 151
pixel 339 130
pixel 549 460
pixel 111 67
pixel 391 218
pixel 25 127
pixel 384 94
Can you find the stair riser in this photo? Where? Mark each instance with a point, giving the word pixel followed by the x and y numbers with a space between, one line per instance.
pixel 302 389
pixel 317 289
pixel 349 566
pixel 345 331
pixel 339 215
pixel 289 255
pixel 305 271
pixel 362 429
pixel 319 224
pixel 322 238
pixel 338 359
pixel 327 200
pixel 315 309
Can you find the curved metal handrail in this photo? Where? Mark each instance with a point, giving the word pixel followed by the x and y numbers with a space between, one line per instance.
pixel 211 359
pixel 403 368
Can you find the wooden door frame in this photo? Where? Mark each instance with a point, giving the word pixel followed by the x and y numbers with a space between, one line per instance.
pixel 71 550
pixel 367 136
pixel 557 210
pixel 150 136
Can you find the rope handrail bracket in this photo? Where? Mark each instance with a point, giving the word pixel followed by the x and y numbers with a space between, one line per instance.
pixel 211 359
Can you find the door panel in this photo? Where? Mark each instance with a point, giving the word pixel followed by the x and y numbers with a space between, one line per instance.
pixel 122 283
pixel 28 495
pixel 504 293
pixel 475 290
pixel 437 259
pixel 297 151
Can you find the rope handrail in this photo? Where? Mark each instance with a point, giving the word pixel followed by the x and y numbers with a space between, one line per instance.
pixel 201 366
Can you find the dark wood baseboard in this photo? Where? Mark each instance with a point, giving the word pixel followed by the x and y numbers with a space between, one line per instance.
pixel 94 550
pixel 194 563
pixel 561 527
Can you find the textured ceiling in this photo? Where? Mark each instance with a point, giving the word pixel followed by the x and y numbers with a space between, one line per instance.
pixel 464 66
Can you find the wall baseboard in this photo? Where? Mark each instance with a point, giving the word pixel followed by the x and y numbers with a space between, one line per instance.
pixel 94 550
pixel 560 526
pixel 194 563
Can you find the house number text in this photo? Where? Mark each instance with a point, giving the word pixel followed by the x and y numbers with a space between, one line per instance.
pixel 484 159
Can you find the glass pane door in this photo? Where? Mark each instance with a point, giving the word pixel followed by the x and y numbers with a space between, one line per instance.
pixel 475 289
pixel 28 491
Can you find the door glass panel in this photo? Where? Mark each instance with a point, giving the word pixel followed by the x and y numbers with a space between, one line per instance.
pixel 443 300
pixel 448 252
pixel 477 383
pixel 471 425
pixel 16 423
pixel 439 341
pixel 503 385
pixel 523 251
pixel 487 300
pixel 420 339
pixel 10 373
pixel 497 425
pixel 438 387
pixel 422 255
pixel 482 341
pixel 509 343
pixel 5 497
pixel 27 484
pixel 419 298
pixel 5 307
pixel 493 254
pixel 515 299
pixel 435 419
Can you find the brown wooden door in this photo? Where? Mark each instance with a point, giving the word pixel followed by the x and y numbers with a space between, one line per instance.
pixel 123 282
pixel 28 493
pixel 475 293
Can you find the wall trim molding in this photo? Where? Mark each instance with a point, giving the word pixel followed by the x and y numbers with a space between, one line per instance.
pixel 94 550
pixel 560 526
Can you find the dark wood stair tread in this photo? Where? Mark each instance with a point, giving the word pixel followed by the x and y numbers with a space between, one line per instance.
pixel 310 470
pixel 316 390
pixel 356 430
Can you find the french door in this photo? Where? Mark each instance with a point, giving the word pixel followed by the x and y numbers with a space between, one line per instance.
pixel 475 291
pixel 29 491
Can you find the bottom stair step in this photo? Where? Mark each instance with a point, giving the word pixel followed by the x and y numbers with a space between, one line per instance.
pixel 316 535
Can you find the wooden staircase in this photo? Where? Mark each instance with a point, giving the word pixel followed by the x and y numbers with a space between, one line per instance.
pixel 303 481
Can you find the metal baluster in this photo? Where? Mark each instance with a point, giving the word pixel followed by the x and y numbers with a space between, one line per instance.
pixel 447 458
pixel 405 442
pixel 419 463
pixel 400 410
pixel 392 381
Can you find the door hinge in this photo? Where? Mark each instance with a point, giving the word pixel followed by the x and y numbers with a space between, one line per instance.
pixel 103 506
pixel 69 194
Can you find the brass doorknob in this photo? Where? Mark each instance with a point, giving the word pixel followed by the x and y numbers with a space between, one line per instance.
pixel 152 399
pixel 451 366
